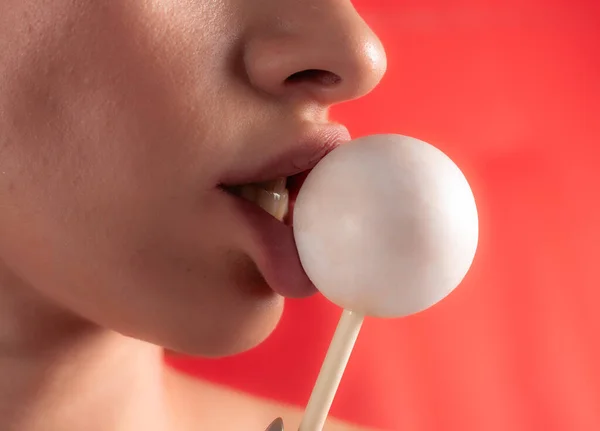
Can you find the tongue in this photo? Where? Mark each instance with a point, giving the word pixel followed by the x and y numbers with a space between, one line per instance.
pixel 281 265
pixel 275 253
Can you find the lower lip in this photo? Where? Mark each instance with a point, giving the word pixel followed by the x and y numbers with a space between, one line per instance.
pixel 275 251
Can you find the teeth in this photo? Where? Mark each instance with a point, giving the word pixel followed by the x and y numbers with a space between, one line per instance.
pixel 271 196
pixel 275 204
pixel 277 186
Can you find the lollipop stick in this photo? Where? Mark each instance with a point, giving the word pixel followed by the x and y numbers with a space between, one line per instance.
pixel 331 371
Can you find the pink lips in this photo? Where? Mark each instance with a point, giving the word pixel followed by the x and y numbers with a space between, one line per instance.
pixel 274 250
pixel 302 155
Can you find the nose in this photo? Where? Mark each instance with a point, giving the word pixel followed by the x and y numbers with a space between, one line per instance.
pixel 320 50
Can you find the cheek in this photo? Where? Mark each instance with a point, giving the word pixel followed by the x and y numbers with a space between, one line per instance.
pixel 106 91
pixel 103 175
pixel 94 133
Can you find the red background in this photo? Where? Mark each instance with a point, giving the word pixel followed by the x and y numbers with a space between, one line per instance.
pixel 511 91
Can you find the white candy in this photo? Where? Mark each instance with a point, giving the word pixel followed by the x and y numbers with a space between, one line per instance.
pixel 386 226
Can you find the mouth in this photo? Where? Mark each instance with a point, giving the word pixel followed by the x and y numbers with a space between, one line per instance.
pixel 272 196
pixel 262 199
pixel 276 197
pixel 274 187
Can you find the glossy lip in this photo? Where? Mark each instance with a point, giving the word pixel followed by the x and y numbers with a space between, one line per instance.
pixel 306 152
pixel 274 249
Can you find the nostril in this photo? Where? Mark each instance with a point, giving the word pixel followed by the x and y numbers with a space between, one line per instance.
pixel 314 76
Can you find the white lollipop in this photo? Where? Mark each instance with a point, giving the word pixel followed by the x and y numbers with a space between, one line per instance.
pixel 385 226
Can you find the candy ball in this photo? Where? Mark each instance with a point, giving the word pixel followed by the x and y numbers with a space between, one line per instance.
pixel 386 226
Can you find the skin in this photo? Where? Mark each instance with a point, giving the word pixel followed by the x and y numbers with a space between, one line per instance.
pixel 117 121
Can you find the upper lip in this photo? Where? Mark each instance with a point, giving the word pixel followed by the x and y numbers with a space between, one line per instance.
pixel 301 154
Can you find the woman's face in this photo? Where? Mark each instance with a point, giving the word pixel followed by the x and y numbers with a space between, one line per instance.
pixel 122 123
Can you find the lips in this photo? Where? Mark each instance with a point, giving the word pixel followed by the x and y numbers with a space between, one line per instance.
pixel 301 155
pixel 256 192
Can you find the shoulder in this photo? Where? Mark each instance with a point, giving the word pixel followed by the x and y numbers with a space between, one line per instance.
pixel 198 404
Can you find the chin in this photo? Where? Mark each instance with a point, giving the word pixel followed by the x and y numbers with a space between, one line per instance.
pixel 229 335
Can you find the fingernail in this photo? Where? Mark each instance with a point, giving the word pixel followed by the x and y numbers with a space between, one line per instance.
pixel 276 425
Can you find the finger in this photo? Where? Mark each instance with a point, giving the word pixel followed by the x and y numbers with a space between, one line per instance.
pixel 276 425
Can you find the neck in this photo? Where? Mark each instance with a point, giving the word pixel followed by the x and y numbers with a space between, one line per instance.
pixel 58 372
